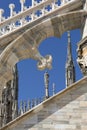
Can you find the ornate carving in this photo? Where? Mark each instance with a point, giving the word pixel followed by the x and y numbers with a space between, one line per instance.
pixel 45 62
pixel 82 55
pixel 19 19
pixel 9 110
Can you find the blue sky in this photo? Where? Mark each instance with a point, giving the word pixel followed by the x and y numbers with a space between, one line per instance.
pixel 31 80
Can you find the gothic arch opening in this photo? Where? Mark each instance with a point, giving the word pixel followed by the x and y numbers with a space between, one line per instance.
pixel 21 48
pixel 34 79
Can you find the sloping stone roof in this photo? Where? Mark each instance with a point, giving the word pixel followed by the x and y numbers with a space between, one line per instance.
pixel 78 85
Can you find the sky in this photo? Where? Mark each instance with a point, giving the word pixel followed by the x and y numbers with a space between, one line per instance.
pixel 31 80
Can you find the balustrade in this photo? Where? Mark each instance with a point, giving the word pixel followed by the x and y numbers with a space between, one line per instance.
pixel 38 9
pixel 26 106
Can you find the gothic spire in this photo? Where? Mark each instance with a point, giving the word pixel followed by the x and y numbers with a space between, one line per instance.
pixel 70 69
pixel 69 50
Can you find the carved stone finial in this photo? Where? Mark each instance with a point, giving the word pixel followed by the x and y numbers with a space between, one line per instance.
pixel 29 105
pixel 35 101
pixel 1 11
pixel 22 1
pixel 32 103
pixel 1 14
pixel 21 108
pixel 39 100
pixel 25 106
pixel 11 6
pixel 53 88
pixel 22 5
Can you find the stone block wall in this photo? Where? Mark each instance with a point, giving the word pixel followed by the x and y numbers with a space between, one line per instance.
pixel 65 111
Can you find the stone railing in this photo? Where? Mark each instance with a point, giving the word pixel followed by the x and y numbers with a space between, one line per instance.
pixel 27 105
pixel 18 109
pixel 26 15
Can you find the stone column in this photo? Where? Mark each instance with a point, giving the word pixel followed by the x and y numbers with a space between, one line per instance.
pixel 46 80
pixel 82 45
